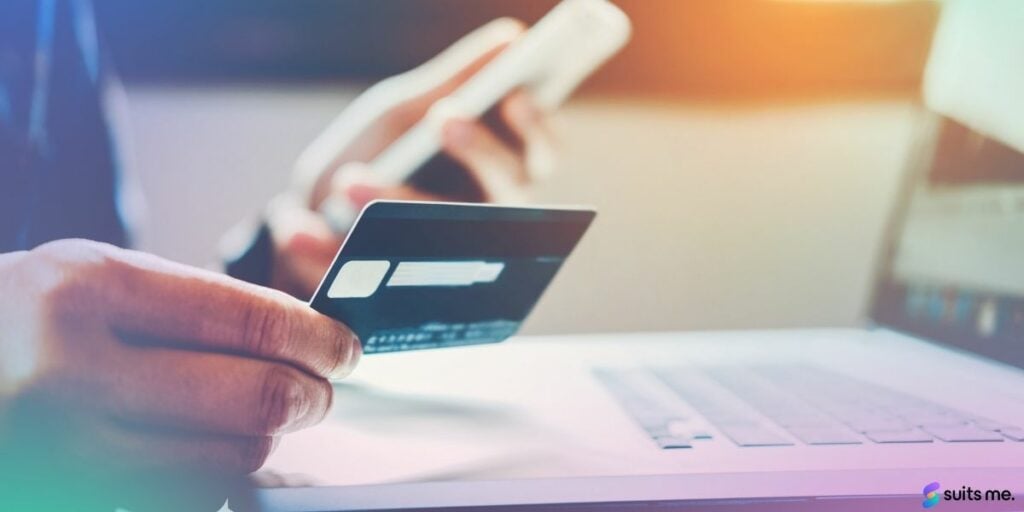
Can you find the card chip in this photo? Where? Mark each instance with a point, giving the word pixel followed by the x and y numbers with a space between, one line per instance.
pixel 358 279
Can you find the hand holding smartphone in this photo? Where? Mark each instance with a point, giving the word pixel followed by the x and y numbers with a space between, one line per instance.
pixel 550 61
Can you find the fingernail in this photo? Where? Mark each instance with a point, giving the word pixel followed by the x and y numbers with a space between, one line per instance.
pixel 458 132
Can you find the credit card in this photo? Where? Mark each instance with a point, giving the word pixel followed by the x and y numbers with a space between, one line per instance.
pixel 415 275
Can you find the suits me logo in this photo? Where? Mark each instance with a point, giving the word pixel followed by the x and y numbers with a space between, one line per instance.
pixel 931 495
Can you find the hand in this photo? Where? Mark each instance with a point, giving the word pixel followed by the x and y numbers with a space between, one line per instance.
pixel 133 362
pixel 500 154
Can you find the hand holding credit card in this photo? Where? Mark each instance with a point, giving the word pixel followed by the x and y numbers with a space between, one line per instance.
pixel 428 275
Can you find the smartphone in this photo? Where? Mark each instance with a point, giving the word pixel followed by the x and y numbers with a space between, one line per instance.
pixel 550 60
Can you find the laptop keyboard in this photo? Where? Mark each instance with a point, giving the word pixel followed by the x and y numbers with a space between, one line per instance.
pixel 793 404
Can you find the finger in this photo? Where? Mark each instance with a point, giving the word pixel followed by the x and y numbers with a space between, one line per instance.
pixel 216 393
pixel 302 272
pixel 357 185
pixel 308 271
pixel 149 299
pixel 399 193
pixel 304 245
pixel 298 229
pixel 140 448
pixel 528 123
pixel 496 168
pixel 359 189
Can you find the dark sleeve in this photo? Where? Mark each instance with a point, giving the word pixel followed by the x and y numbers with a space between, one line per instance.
pixel 250 256
pixel 59 172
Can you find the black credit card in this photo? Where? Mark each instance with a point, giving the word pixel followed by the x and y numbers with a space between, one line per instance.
pixel 415 275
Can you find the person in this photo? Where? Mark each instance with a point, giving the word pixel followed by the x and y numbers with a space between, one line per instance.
pixel 123 360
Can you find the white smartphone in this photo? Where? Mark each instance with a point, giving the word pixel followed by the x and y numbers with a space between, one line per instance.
pixel 550 60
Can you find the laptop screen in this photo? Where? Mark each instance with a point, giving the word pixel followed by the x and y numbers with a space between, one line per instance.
pixel 955 271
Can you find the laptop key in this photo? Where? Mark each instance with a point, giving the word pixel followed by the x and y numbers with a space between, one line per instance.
pixel 826 435
pixel 672 442
pixel 657 432
pixel 963 434
pixel 1013 433
pixel 875 423
pixel 754 436
pixel 986 424
pixel 941 422
pixel 898 436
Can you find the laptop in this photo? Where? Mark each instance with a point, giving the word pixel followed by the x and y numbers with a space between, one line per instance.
pixel 925 401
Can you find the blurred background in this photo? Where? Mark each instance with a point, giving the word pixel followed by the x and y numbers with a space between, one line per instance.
pixel 744 155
